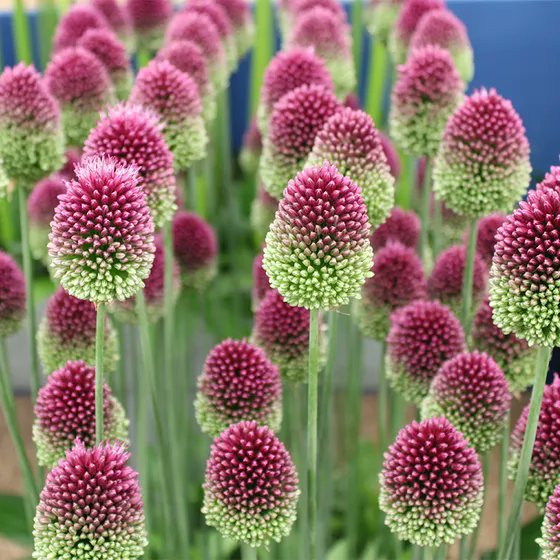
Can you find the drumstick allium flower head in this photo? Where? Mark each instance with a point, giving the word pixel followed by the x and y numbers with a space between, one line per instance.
pixel 423 335
pixel 428 90
pixel 67 332
pixel 117 17
pixel 550 541
pixel 74 23
pixel 261 284
pixel 486 235
pixel 149 19
pixel 317 252
pixel 401 225
pixel 482 165
pixel 443 495
pixel 96 493
pixel 12 296
pixel 350 141
pixel 238 383
pixel 295 122
pixel 65 413
pixel 471 391
pixel 239 13
pixel 31 139
pixel 101 244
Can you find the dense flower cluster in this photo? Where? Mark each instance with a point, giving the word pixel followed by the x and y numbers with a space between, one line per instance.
pixel 261 284
pixel 76 22
pixel 12 296
pixel 486 235
pixel 550 541
pixel 401 225
pixel 239 14
pixel 149 19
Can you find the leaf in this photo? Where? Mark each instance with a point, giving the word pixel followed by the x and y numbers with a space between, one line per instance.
pixel 13 520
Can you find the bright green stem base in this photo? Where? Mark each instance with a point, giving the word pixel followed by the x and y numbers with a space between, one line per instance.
pixel 99 342
pixel 249 553
pixel 263 48
pixel 376 87
pixel 503 485
pixel 425 214
pixel 541 370
pixel 466 306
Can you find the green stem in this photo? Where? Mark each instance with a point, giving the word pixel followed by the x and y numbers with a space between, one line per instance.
pixel 263 48
pixel 357 34
pixel 325 403
pixel 428 553
pixel 376 84
pixel 312 396
pixel 468 279
pixel 541 370
pixel 474 536
pixel 464 549
pixel 99 343
pixel 425 213
pixel 436 229
pixel 28 273
pixel 382 398
pixel 249 553
pixel 22 36
pixel 503 485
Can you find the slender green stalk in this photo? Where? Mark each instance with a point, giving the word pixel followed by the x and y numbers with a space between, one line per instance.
pixel 464 549
pixel 474 536
pixel 22 36
pixel 249 553
pixel 376 85
pixel 425 213
pixel 436 229
pixel 428 553
pixel 468 279
pixel 99 344
pixel 357 34
pixel 48 18
pixel 120 378
pixel 263 48
pixel 382 398
pixel 143 57
pixel 541 370
pixel 516 553
pixel 28 273
pixel 312 396
pixel 502 498
pixel 325 403
pixel 405 192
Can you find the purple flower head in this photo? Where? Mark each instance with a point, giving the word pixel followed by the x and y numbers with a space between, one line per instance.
pixel 116 15
pixel 74 23
pixel 12 296
pixel 401 225
pixel 550 541
pixel 487 228
pixel 72 157
pixel 261 284
pixel 149 19
pixel 392 155
pixel 239 14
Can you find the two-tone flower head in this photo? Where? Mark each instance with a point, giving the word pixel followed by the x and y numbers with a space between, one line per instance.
pixel 251 149
pixel 550 540
pixel 117 17
pixel 196 249
pixel 410 14
pixel 105 45
pixel 174 97
pixel 251 487
pixel 427 92
pixel 67 332
pixel 102 244
pixel 482 165
pixel 261 284
pixel 31 139
pixel 486 229
pixel 189 58
pixel 199 28
pixel 12 296
pixel 423 335
pixel 96 494
pixel 544 470
pixel 381 17
pixel 471 391
pixel 240 15
pixel 238 383
pixel 402 226
pixel 41 204
pixel 74 23
pixel 524 278
pixel 322 30
pixel 514 356
pixel 149 20
pixel 287 71
pixel 65 413
pixel 263 210
pixel 317 252
pixel 133 135
pixel 398 279
pixel 432 486
pixel 81 84
pixel 282 331
pixel 154 289
pixel 349 140
pixel 295 122
pixel 551 180
pixel 444 29
pixel 446 280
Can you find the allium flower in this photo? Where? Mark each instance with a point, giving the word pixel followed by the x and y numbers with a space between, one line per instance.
pixel 409 16
pixel 293 126
pixel 65 413
pixel 67 332
pixel 317 252
pixel 512 354
pixel 381 18
pixel 551 180
pixel 423 335
pixel 196 249
pixel 12 296
pixel 483 161
pixel 31 141
pixel 101 244
pixel 261 284
pixel 282 331
pixel 299 7
pixel 72 157
pixel 74 23
pixel 352 101
pixel 398 279
pixel 198 28
pixel 94 492
pixel 427 92
pixel 446 280
pixel 544 471
pixel 241 19
pixel 238 383
pixel 350 141
pixel 251 149
pixel 322 30
pixel 550 541
pixel 104 44
pixel 391 155
pixel 432 485
pixel 189 58
pixel 154 289
pixel 524 279
pixel 263 211
pixel 486 235
pixel 470 390
pixel 117 17
pixel 443 29
pixel 251 488
pixel 40 208
pixel 149 19
pixel 173 96
pixel 287 71
pixel 401 225
pixel 132 135
pixel 82 86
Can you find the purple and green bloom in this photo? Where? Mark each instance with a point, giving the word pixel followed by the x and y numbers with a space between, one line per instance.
pixel 240 16
pixel 550 540
pixel 75 23
pixel 12 296
pixel 401 225
pixel 149 19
